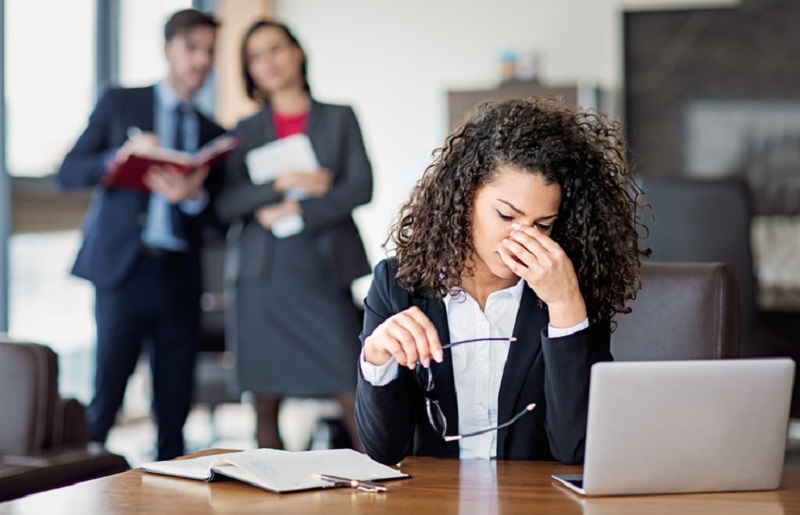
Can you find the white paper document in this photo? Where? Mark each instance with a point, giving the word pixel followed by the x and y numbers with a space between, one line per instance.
pixel 285 155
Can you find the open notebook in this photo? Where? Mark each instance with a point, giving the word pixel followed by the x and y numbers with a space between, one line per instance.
pixel 278 471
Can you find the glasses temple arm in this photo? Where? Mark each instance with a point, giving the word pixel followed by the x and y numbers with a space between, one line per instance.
pixel 453 344
pixel 513 419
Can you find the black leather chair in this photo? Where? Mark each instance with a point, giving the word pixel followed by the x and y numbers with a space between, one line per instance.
pixel 43 437
pixel 683 311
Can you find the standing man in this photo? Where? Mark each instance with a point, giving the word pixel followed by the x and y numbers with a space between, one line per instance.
pixel 141 250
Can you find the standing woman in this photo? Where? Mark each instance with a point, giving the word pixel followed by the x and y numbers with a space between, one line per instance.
pixel 292 321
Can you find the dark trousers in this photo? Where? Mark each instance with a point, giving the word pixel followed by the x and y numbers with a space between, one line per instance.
pixel 156 310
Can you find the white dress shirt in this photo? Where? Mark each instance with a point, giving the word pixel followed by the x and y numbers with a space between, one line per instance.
pixel 477 367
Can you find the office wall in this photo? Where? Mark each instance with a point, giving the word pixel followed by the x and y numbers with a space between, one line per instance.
pixel 396 60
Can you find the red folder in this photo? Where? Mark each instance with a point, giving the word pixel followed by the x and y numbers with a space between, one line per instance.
pixel 128 174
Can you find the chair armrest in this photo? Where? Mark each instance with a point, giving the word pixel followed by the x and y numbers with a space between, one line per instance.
pixel 70 426
pixel 26 474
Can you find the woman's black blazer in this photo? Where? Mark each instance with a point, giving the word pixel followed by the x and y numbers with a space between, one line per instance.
pixel 551 372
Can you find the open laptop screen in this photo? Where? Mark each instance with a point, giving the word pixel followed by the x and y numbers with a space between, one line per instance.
pixel 686 426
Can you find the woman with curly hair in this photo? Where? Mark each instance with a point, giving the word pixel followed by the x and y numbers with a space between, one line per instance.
pixel 520 241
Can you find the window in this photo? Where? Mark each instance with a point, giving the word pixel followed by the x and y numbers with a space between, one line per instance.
pixel 48 305
pixel 142 39
pixel 49 52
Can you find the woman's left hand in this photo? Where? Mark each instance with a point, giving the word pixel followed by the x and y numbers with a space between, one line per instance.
pixel 544 265
pixel 268 215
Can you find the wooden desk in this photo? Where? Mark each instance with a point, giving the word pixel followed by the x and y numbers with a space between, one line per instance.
pixel 439 486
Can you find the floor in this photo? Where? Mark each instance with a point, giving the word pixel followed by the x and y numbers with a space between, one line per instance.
pixel 232 427
pixel 228 425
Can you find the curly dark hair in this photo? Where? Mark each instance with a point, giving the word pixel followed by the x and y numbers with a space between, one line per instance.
pixel 582 151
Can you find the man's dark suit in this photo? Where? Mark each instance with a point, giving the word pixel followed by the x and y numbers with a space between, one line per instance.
pixel 112 258
pixel 553 373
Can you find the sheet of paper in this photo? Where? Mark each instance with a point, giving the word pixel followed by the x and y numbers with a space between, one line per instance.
pixel 290 154
pixel 194 468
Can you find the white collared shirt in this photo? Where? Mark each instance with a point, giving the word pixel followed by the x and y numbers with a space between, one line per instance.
pixel 477 367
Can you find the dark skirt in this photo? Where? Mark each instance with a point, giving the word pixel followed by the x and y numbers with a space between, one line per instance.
pixel 295 332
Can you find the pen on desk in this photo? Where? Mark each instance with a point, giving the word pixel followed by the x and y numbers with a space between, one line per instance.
pixel 367 486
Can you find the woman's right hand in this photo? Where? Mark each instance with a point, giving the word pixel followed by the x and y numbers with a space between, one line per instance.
pixel 313 184
pixel 409 336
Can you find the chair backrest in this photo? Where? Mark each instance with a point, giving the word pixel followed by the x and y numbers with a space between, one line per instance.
pixel 683 311
pixel 706 221
pixel 28 396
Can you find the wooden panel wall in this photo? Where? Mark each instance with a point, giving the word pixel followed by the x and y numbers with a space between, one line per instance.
pixel 235 16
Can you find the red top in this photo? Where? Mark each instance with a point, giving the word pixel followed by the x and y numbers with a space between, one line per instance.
pixel 289 125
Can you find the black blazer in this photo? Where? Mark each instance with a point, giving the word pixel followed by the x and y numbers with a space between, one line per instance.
pixel 553 373
pixel 114 223
pixel 336 138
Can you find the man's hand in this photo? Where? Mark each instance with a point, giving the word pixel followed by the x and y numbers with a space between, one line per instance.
pixel 136 143
pixel 173 185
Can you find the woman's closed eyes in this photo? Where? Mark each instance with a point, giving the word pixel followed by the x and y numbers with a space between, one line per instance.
pixel 544 227
pixel 503 216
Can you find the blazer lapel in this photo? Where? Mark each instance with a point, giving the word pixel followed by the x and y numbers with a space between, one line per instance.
pixel 313 127
pixel 530 319
pixel 266 126
pixel 145 112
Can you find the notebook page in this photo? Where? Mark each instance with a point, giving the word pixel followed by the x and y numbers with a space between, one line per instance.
pixel 286 471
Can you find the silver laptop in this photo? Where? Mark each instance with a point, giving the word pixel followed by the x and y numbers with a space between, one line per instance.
pixel 685 426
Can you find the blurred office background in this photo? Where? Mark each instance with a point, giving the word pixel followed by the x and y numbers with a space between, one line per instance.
pixel 705 88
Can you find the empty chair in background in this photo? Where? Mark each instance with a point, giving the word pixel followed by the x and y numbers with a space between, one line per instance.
pixel 683 311
pixel 43 437
pixel 709 221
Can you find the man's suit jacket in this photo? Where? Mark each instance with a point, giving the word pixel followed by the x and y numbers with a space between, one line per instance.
pixel 553 373
pixel 113 226
pixel 336 138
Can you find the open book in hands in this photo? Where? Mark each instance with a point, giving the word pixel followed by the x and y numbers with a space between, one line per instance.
pixel 279 471
pixel 128 174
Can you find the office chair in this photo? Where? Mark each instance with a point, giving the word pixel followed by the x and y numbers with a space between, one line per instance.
pixel 683 311
pixel 708 221
pixel 43 437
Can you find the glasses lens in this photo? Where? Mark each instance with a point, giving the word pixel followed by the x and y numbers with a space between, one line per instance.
pixel 424 378
pixel 435 416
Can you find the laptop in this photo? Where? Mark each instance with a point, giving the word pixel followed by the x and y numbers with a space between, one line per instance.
pixel 685 426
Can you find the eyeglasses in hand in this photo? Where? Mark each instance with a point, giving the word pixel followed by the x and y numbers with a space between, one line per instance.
pixel 434 410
